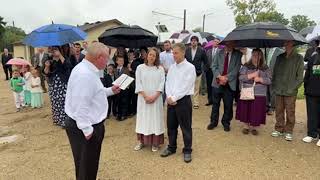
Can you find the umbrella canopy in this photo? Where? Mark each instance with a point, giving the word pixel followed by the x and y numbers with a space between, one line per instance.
pixel 54 35
pixel 209 45
pixel 305 31
pixel 19 62
pixel 203 37
pixel 129 37
pixel 180 34
pixel 263 35
pixel 314 35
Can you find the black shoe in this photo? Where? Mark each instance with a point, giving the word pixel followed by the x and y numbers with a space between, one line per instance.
pixel 226 128
pixel 166 153
pixel 118 118
pixel 209 104
pixel 123 118
pixel 187 158
pixel 211 126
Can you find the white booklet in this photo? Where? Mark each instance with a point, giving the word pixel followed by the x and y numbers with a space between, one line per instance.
pixel 123 81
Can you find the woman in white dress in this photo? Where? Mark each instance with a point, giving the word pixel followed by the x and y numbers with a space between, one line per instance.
pixel 150 79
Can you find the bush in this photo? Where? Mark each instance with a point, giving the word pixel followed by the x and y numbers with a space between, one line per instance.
pixel 301 92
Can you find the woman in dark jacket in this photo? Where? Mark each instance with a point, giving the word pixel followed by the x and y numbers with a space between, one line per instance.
pixel 58 71
pixel 312 93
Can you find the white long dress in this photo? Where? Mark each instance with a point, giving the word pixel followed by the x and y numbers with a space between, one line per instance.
pixel 149 79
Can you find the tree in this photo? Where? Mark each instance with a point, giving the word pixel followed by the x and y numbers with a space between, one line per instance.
pixel 10 36
pixel 249 11
pixel 2 24
pixel 272 16
pixel 298 22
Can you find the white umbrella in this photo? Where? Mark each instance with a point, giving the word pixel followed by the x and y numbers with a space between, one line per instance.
pixel 315 35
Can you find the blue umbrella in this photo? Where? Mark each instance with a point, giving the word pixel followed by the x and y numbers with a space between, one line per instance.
pixel 54 35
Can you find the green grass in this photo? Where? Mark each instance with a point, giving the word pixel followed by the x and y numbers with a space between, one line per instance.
pixel 301 92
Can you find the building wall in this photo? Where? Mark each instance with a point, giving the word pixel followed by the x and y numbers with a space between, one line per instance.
pixel 21 50
pixel 94 33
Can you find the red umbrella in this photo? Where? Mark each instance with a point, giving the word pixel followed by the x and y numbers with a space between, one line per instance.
pixel 19 62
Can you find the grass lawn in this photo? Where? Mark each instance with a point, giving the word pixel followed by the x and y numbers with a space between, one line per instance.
pixel 301 92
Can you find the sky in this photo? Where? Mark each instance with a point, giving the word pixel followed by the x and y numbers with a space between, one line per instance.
pixel 31 14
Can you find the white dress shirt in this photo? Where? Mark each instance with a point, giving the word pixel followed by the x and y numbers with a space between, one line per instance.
pixel 180 80
pixel 166 59
pixel 193 53
pixel 86 98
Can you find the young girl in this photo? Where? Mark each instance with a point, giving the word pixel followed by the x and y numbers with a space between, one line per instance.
pixel 36 90
pixel 27 93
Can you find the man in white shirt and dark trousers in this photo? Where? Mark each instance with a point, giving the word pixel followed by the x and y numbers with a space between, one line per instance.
pixel 87 106
pixel 179 88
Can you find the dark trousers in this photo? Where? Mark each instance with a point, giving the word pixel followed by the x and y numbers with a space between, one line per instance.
pixel 122 103
pixel 132 98
pixel 313 114
pixel 111 106
pixel 86 153
pixel 271 99
pixel 180 115
pixel 8 71
pixel 227 95
pixel 209 78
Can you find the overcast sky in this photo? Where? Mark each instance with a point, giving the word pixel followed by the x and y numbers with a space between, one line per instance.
pixel 30 14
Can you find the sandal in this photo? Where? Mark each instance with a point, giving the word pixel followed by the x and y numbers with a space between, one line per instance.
pixel 245 131
pixel 138 147
pixel 154 148
pixel 254 132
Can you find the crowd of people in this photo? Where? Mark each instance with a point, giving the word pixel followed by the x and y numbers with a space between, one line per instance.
pixel 257 82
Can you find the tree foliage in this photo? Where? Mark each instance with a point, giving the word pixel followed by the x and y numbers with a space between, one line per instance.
pixel 10 36
pixel 249 11
pixel 298 22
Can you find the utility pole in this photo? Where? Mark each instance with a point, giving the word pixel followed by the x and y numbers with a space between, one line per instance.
pixel 184 19
pixel 204 20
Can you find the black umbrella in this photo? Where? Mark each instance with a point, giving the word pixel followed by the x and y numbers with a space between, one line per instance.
pixel 263 35
pixel 129 37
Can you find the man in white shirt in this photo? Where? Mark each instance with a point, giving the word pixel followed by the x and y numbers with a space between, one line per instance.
pixel 85 47
pixel 179 88
pixel 166 60
pixel 166 57
pixel 87 106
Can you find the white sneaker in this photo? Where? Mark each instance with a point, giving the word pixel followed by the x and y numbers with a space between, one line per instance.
pixel 307 139
pixel 138 147
pixel 276 134
pixel 288 137
pixel 318 143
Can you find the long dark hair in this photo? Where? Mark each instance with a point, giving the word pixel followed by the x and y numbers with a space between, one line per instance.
pixel 261 61
pixel 157 61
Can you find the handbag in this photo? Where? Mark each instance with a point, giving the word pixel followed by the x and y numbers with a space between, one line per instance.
pixel 247 93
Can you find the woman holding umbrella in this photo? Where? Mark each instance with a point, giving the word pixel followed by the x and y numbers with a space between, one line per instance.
pixel 58 71
pixel 254 74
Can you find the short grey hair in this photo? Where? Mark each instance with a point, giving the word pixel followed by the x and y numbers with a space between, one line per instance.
pixel 95 49
pixel 181 46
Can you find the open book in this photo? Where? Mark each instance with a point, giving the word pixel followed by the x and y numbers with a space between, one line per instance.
pixel 123 81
